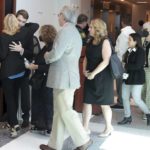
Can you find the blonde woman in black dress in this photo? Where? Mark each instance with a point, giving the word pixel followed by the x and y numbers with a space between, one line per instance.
pixel 98 86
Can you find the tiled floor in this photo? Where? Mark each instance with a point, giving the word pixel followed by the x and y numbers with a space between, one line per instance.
pixel 128 137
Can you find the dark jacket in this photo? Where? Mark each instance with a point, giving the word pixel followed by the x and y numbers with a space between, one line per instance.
pixel 134 65
pixel 12 62
pixel 84 36
pixel 28 47
pixel 40 61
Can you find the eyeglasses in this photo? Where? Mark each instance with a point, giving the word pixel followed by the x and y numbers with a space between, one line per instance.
pixel 60 14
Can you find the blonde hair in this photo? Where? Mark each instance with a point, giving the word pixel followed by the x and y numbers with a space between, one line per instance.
pixel 100 30
pixel 10 24
pixel 48 33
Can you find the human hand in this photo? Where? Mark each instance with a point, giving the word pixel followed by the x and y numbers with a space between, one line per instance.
pixel 90 75
pixel 32 66
pixel 86 73
pixel 46 54
pixel 16 47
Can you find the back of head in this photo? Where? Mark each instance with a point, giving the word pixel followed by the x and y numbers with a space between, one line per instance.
pixel 126 21
pixel 23 13
pixel 140 23
pixel 82 18
pixel 69 14
pixel 47 33
pixel 10 24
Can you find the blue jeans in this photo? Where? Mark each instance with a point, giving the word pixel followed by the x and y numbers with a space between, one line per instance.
pixel 135 91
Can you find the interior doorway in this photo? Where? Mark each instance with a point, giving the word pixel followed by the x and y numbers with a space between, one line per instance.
pixel 6 6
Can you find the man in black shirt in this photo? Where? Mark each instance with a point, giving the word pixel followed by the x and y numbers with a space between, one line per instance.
pixel 22 16
pixel 82 26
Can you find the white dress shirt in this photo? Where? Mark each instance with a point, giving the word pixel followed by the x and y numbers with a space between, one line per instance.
pixel 122 41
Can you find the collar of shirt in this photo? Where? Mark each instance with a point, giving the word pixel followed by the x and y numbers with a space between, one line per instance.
pixel 131 49
pixel 126 28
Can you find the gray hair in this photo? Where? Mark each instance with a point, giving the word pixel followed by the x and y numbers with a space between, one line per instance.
pixel 69 14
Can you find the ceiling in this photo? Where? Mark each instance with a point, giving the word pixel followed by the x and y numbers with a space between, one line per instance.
pixel 137 2
pixel 125 3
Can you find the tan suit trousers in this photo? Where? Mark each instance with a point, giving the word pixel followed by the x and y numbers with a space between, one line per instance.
pixel 66 119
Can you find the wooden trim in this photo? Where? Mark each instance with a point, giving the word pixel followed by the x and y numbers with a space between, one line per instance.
pixel 14 6
pixel 2 13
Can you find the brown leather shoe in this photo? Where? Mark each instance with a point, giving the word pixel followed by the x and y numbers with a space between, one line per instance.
pixel 46 147
pixel 85 146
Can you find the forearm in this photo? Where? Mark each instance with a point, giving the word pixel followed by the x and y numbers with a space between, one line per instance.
pixel 100 67
pixel 43 68
pixel 28 54
pixel 84 64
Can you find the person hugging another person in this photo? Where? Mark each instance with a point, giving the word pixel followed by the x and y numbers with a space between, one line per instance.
pixel 42 97
pixel 12 66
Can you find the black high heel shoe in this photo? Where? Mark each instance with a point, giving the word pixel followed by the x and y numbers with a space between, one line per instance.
pixel 126 120
pixel 148 119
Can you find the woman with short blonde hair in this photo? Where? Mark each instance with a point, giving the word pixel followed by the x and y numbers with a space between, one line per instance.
pixel 12 66
pixel 10 25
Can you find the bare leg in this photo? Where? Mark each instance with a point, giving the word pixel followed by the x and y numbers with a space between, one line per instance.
pixel 87 112
pixel 107 112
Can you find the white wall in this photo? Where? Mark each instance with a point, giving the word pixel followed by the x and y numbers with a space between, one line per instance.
pixel 86 8
pixel 45 11
pixel 41 11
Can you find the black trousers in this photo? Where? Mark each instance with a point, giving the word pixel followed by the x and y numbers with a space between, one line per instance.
pixel 42 108
pixel 25 98
pixel 11 88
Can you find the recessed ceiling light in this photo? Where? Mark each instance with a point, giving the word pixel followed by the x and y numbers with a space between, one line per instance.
pixel 142 2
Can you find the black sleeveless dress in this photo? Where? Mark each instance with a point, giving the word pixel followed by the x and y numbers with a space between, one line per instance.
pixel 100 89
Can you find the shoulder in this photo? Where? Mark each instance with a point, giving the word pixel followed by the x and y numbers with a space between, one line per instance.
pixel 106 42
pixel 5 37
pixel 140 50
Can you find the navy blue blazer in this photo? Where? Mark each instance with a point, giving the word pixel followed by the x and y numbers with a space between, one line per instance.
pixel 134 65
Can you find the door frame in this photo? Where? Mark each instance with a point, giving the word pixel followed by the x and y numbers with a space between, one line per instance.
pixel 2 12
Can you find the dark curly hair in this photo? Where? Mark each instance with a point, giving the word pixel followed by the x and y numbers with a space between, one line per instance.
pixel 48 33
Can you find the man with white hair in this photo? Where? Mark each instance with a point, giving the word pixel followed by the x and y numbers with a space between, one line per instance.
pixel 64 78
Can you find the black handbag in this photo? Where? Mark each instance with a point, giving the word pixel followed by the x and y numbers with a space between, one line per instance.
pixel 116 67
pixel 37 81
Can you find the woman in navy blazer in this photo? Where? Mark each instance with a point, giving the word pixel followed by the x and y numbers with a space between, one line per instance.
pixel 134 78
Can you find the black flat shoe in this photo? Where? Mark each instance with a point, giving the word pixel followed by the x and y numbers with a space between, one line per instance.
pixel 126 120
pixel 117 106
